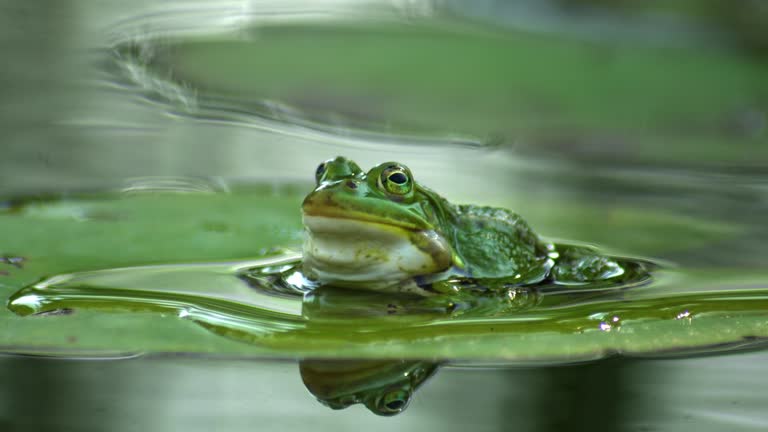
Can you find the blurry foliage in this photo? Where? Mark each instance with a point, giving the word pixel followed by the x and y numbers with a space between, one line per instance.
pixel 746 20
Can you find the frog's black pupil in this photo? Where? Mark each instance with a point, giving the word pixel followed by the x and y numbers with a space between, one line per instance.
pixel 398 178
pixel 320 170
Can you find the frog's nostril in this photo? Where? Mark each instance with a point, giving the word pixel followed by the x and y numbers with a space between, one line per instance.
pixel 352 185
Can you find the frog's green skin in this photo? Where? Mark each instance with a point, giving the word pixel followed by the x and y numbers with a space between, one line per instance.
pixel 383 231
pixel 384 386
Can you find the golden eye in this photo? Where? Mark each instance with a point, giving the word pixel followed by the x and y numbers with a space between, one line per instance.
pixel 396 180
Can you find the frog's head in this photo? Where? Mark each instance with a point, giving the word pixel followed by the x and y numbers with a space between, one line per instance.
pixel 372 230
pixel 384 387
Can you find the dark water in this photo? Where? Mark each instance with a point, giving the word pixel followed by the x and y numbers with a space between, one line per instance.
pixel 175 393
pixel 184 137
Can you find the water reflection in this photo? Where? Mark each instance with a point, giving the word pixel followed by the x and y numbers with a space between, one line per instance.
pixel 710 394
pixel 384 387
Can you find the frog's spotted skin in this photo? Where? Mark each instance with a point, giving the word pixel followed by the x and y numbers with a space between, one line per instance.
pixel 499 243
pixel 383 231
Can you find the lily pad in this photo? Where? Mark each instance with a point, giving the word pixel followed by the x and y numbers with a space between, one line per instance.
pixel 154 272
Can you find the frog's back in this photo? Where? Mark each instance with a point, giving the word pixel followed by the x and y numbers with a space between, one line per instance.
pixel 498 243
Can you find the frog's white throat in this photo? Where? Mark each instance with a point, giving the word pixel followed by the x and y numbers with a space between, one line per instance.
pixel 364 255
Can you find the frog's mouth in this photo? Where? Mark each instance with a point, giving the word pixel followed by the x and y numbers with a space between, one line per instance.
pixel 367 254
pixel 327 204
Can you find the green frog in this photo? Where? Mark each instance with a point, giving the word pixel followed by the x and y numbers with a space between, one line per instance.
pixel 382 230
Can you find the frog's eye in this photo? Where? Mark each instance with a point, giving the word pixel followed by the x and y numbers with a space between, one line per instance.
pixel 392 402
pixel 320 171
pixel 396 180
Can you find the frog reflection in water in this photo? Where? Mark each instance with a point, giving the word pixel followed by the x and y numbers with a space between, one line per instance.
pixel 385 387
pixel 383 231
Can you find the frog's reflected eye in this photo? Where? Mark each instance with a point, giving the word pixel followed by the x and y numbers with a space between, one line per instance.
pixel 320 171
pixel 392 402
pixel 396 180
